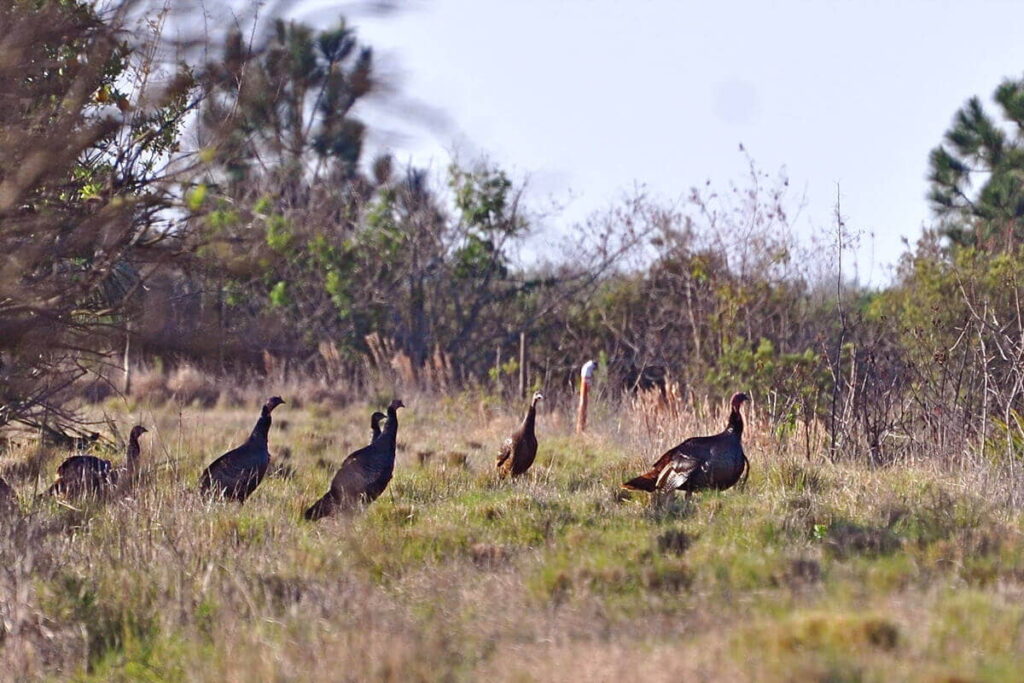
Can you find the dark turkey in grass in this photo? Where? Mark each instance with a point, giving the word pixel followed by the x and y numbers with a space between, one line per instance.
pixel 520 449
pixel 7 499
pixel 375 421
pixel 364 474
pixel 88 475
pixel 701 462
pixel 237 473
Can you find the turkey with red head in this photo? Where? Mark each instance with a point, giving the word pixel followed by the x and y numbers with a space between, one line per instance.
pixel 520 449
pixel 237 473
pixel 701 462
pixel 364 474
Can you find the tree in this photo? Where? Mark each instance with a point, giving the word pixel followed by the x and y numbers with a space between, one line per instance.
pixel 85 182
pixel 980 150
pixel 285 107
pixel 283 193
pixel 305 246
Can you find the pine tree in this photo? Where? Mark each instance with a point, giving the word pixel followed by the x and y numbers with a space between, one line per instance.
pixel 287 106
pixel 979 149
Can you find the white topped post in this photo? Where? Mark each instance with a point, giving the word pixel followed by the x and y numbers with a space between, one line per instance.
pixel 587 375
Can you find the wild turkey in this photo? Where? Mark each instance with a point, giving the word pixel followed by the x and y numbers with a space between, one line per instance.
pixel 130 471
pixel 237 473
pixel 84 475
pixel 701 462
pixel 520 449
pixel 7 498
pixel 364 474
pixel 375 421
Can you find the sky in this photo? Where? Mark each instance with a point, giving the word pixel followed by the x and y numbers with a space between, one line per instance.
pixel 588 99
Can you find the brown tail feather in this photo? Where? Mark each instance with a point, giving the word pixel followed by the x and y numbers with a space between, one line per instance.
pixel 320 509
pixel 645 482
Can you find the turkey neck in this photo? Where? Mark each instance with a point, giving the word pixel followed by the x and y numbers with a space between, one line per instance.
pixel 390 432
pixel 262 428
pixel 735 422
pixel 133 451
pixel 531 418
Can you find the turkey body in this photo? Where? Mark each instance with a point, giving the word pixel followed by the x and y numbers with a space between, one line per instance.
pixel 702 462
pixel 365 473
pixel 7 497
pixel 520 449
pixel 87 475
pixel 82 475
pixel 237 473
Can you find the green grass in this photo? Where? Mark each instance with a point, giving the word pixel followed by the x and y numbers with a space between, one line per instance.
pixel 814 572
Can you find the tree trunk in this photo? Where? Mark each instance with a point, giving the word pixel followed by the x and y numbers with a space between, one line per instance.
pixel 127 363
pixel 522 365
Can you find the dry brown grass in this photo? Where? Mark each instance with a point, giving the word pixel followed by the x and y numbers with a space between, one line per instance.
pixel 817 571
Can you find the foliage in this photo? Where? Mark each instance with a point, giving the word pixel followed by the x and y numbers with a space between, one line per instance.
pixel 800 380
pixel 979 149
pixel 959 332
pixel 84 185
pixel 287 105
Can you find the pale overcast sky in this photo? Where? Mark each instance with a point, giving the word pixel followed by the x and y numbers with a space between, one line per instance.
pixel 588 98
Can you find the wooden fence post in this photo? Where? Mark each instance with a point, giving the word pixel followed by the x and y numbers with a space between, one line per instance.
pixel 522 365
pixel 586 374
pixel 127 363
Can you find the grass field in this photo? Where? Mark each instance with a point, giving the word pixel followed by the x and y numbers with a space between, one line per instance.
pixel 816 571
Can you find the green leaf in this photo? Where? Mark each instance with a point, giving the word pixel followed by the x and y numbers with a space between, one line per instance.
pixel 195 197
pixel 279 295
